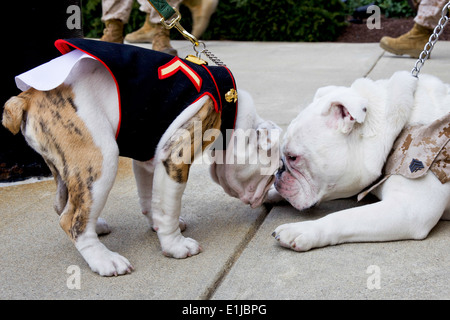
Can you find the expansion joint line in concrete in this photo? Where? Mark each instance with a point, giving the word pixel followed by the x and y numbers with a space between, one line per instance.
pixel 374 65
pixel 209 292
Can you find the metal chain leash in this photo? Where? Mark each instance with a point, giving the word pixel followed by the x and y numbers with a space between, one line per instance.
pixel 213 58
pixel 425 54
pixel 208 53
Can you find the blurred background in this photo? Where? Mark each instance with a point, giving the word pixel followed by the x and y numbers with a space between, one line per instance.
pixel 261 20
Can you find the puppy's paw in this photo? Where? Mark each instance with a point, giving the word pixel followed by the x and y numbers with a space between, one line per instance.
pixel 111 264
pixel 296 236
pixel 105 262
pixel 179 247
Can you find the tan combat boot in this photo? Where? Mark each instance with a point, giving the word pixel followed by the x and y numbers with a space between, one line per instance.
pixel 113 31
pixel 411 43
pixel 143 35
pixel 161 40
pixel 201 11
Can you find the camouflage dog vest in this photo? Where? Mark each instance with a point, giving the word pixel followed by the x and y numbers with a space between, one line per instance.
pixel 417 150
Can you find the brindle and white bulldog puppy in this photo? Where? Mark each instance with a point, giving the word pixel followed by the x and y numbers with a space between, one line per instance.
pixel 339 145
pixel 76 126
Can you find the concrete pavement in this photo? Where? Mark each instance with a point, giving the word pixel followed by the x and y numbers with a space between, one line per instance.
pixel 240 259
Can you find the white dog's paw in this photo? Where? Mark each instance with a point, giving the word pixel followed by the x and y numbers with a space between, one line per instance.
pixel 102 227
pixel 105 262
pixel 298 236
pixel 179 247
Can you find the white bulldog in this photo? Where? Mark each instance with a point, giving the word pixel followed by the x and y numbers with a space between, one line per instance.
pixel 74 125
pixel 338 146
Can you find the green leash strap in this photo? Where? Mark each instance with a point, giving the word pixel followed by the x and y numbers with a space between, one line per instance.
pixel 170 17
pixel 163 8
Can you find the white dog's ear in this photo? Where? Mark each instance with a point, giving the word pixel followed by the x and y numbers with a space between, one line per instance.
pixel 348 109
pixel 324 90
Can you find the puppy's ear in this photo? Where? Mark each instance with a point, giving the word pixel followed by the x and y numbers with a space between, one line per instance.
pixel 268 140
pixel 268 136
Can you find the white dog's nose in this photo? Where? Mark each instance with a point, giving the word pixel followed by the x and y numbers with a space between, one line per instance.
pixel 281 169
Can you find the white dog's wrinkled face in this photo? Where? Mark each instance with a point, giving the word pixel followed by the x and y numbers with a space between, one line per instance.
pixel 337 145
pixel 247 170
pixel 319 152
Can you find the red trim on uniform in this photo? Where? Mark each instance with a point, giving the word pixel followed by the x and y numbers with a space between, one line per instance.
pixel 217 88
pixel 211 96
pixel 65 47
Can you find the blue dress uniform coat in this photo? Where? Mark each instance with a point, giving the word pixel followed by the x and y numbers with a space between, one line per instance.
pixel 153 89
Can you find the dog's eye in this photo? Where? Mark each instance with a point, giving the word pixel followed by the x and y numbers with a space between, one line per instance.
pixel 292 158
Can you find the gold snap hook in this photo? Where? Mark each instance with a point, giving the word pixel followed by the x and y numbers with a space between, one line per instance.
pixel 175 22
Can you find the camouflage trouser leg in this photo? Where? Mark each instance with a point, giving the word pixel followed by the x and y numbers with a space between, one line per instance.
pixel 429 13
pixel 116 9
pixel 121 9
